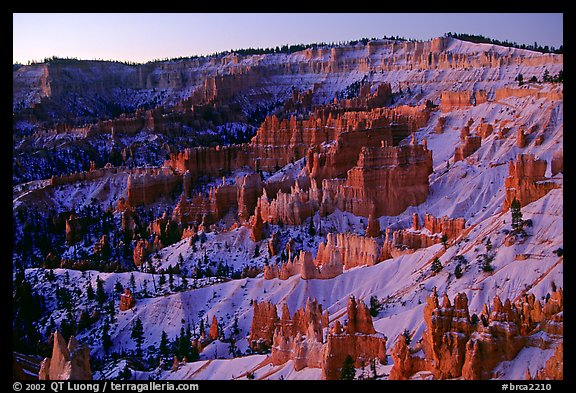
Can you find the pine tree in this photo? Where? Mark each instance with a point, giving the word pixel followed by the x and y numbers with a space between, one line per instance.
pixel 118 288
pixel 436 265
pixel 162 280
pixel 445 240
pixel 164 349
pixel 132 283
pixel 516 214
pixel 84 320
pixel 311 229
pixel 375 306
pixel 105 338
pixel 138 335
pixel 458 271
pixel 100 294
pixel 348 372
pixel 89 291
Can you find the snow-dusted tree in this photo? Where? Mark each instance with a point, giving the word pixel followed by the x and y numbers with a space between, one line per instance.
pixel 89 291
pixel 516 214
pixel 348 372
pixel 164 348
pixel 100 294
pixel 436 265
pixel 458 271
pixel 137 333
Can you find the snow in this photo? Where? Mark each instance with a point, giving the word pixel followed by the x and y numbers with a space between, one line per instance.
pixel 472 188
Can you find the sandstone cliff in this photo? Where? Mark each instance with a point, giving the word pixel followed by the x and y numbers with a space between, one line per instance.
pixel 70 361
pixel 457 345
pixel 526 181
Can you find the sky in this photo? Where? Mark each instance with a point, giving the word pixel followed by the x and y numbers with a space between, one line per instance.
pixel 144 37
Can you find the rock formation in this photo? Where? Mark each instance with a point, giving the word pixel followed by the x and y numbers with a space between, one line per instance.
pixel 526 181
pixel 373 228
pixel 301 337
pixel 469 146
pixel 145 188
pixel 558 162
pixel 452 100
pixel 214 331
pixel 70 362
pixel 439 127
pixel 256 226
pixel 405 241
pixel 249 189
pixel 74 229
pixel 289 208
pixel 263 325
pixel 455 345
pixel 396 175
pixel 359 341
pixel 127 300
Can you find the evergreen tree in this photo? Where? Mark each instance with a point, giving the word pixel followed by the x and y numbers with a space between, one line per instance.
pixel 125 374
pixel 162 280
pixel 132 283
pixel 445 241
pixel 50 275
pixel 100 294
pixel 348 372
pixel 516 214
pixel 375 306
pixel 488 245
pixel 118 288
pixel 311 229
pixel 137 334
pixel 89 291
pixel 164 349
pixel 84 320
pixel 436 265
pixel 520 79
pixel 105 338
pixel 145 288
pixel 458 271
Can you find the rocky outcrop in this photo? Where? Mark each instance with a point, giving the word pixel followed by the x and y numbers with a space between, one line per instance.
pixel 249 188
pixel 360 341
pixel 74 229
pixel 406 362
pixel 451 227
pixel 68 362
pixel 256 226
pixel 385 181
pixel 505 92
pixel 558 162
pixel 300 338
pixel 439 127
pixel 452 100
pixel 127 300
pixel 484 129
pixel 209 161
pixel 456 345
pixel 341 251
pixel 373 228
pixel 263 325
pixel 214 330
pixel 289 208
pixel 448 329
pixel 406 241
pixel 351 249
pixel 146 188
pixel 526 181
pixel 521 137
pixel 467 147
